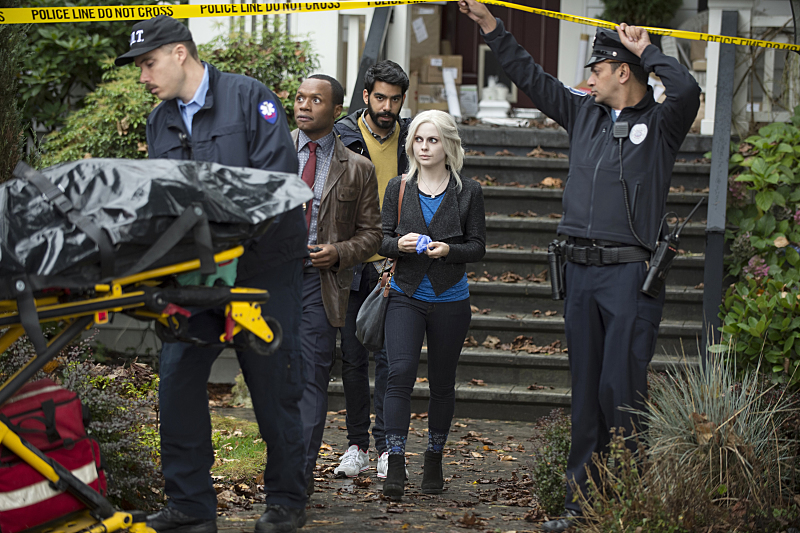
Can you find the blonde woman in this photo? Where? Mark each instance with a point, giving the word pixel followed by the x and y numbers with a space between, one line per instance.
pixel 441 229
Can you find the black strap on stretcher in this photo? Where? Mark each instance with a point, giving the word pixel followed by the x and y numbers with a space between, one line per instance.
pixel 56 196
pixel 193 218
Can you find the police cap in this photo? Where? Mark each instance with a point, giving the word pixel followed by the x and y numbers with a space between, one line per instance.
pixel 607 46
pixel 153 33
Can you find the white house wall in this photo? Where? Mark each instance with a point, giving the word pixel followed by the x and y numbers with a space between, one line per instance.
pixel 322 29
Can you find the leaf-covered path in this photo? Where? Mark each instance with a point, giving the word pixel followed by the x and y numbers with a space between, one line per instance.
pixel 487 485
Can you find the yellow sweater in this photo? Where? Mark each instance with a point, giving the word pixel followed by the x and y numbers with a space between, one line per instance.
pixel 384 157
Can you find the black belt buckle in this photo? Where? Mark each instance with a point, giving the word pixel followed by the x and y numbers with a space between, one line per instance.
pixel 594 256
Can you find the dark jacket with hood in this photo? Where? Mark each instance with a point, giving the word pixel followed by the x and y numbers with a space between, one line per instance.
pixel 350 134
pixel 593 204
pixel 241 124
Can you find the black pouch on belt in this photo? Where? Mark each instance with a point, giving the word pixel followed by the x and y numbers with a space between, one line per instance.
pixel 555 264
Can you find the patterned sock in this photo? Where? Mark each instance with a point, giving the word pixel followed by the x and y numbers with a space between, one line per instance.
pixel 436 441
pixel 396 444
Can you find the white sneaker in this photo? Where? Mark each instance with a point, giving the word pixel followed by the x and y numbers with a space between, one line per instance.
pixel 354 461
pixel 383 465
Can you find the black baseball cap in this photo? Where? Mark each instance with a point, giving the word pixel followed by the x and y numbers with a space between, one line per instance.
pixel 150 34
pixel 606 45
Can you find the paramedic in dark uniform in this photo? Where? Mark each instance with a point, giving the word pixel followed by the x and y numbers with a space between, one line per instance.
pixel 611 225
pixel 208 115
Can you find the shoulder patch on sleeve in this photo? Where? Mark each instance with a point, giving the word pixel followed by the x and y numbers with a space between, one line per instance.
pixel 268 111
pixel 575 91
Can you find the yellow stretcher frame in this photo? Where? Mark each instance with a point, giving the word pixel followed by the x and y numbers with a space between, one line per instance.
pixel 129 295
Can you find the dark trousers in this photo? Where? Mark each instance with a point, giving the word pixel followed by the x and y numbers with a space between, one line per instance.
pixel 611 330
pixel 318 340
pixel 408 321
pixel 276 384
pixel 355 372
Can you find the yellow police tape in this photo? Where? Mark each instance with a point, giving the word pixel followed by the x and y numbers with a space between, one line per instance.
pixel 28 15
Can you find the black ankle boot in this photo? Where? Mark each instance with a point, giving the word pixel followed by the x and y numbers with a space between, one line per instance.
pixel 432 477
pixel 394 486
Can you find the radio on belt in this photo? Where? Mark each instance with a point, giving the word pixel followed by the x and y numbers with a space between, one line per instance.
pixel 663 257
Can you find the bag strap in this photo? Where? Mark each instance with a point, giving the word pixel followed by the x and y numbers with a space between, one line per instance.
pixel 63 205
pixel 388 275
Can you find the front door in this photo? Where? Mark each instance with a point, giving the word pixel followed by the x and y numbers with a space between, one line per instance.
pixel 537 34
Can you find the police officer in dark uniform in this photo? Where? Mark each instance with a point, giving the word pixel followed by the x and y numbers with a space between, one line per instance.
pixel 622 149
pixel 208 115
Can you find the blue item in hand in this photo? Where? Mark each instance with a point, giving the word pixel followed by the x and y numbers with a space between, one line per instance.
pixel 422 243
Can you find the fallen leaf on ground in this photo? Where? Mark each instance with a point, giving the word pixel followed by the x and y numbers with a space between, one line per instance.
pixel 504 153
pixel 550 313
pixel 422 380
pixel 554 215
pixel 523 214
pixel 510 277
pixel 487 181
pixel 541 277
pixel 478 382
pixel 470 342
pixel 540 153
pixel 474 152
pixel 491 342
pixel 551 183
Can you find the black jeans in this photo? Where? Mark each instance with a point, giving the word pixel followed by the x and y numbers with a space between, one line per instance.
pixel 355 372
pixel 408 321
pixel 276 384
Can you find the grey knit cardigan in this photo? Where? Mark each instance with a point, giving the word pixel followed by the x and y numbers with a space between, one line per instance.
pixel 459 222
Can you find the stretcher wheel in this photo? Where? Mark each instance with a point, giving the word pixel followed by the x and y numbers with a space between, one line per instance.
pixel 258 345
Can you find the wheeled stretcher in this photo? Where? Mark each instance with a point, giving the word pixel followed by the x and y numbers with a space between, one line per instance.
pixel 49 278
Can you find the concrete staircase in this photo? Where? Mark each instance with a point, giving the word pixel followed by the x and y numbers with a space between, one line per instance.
pixel 517 385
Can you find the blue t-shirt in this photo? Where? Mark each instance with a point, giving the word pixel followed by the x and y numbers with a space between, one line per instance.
pixel 425 292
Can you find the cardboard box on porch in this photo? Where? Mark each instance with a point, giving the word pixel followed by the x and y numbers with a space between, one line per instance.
pixel 411 94
pixel 430 70
pixel 431 96
pixel 426 33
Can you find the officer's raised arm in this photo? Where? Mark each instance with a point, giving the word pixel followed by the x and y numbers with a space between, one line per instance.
pixel 682 92
pixel 547 93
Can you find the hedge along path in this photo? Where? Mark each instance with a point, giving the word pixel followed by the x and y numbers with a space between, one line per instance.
pixel 27 15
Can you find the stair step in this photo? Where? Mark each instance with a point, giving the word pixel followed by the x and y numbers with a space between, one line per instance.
pixel 687 270
pixel 532 170
pixel 499 402
pixel 490 139
pixel 523 297
pixel 540 231
pixel 508 200
pixel 675 337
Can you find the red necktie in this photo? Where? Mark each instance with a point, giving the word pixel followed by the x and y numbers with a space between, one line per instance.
pixel 309 177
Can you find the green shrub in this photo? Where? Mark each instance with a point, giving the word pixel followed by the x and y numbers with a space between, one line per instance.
pixel 551 438
pixel 275 59
pixel 11 129
pixel 761 320
pixel 111 124
pixel 651 13
pixel 761 311
pixel 112 121
pixel 64 61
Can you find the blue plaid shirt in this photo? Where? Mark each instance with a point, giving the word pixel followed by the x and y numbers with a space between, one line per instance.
pixel 324 157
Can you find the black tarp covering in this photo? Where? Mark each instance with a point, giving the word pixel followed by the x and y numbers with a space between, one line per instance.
pixel 134 202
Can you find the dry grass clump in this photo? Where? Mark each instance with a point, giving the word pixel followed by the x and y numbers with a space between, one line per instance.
pixel 716 454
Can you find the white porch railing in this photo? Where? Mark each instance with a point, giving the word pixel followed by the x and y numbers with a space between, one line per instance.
pixel 766 81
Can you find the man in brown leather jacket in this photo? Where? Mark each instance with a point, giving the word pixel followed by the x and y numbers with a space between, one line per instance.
pixel 343 231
